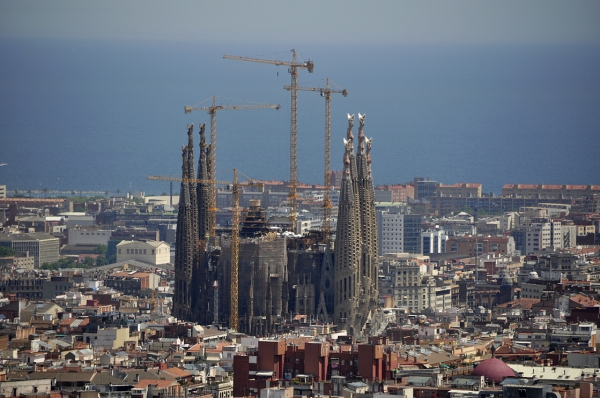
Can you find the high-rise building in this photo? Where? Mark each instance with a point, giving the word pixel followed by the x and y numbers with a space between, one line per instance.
pixel 542 234
pixel 399 232
pixel 424 188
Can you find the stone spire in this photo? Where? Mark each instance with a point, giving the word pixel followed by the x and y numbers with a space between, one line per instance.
pixel 345 251
pixel 185 253
pixel 355 260
pixel 203 189
pixel 369 257
pixel 192 186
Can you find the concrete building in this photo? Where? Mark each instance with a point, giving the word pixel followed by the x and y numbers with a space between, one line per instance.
pixel 542 191
pixel 2 191
pixel 57 285
pixel 412 287
pixel 459 190
pixel 424 188
pixel 133 283
pixel 77 218
pixel 394 193
pixel 110 338
pixel 88 236
pixel 151 252
pixel 399 232
pixel 485 244
pixel 23 287
pixel 44 248
pixel 542 234
pixel 434 241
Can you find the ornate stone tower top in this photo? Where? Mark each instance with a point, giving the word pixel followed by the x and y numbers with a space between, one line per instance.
pixel 349 135
pixel 361 134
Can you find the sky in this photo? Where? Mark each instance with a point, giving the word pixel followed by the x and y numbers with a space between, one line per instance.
pixel 276 21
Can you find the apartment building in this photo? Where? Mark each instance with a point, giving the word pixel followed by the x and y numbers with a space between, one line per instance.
pixel 542 234
pixel 41 246
pixel 399 232
pixel 434 241
pixel 412 287
pixel 543 191
pixel 459 190
pixel 473 244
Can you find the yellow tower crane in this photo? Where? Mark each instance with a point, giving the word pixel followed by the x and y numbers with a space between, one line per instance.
pixel 212 110
pixel 326 93
pixel 293 70
pixel 235 237
pixel 235 253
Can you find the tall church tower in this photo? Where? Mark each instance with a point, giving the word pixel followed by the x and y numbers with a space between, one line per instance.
pixel 187 233
pixel 355 260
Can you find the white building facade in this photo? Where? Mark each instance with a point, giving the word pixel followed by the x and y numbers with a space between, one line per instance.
pixel 88 236
pixel 151 252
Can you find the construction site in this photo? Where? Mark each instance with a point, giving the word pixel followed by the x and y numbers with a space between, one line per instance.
pixel 254 278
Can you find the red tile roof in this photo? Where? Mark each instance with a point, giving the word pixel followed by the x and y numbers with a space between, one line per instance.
pixel 526 303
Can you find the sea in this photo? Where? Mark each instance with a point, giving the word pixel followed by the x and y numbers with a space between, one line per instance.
pixel 102 116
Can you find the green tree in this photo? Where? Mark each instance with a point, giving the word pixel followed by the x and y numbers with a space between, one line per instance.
pixel 101 249
pixel 45 192
pixel 418 209
pixel 88 262
pixel 49 266
pixel 7 251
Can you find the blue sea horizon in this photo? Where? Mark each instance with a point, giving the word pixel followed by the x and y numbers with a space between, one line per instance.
pixel 104 115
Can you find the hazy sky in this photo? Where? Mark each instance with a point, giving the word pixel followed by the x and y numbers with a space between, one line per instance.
pixel 348 21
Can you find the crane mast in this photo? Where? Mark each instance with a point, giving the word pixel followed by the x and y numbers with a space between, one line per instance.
pixel 212 110
pixel 235 251
pixel 293 144
pixel 326 93
pixel 293 71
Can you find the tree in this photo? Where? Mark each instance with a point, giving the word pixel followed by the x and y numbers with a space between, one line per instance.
pixel 101 249
pixel 88 262
pixel 45 192
pixel 7 251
